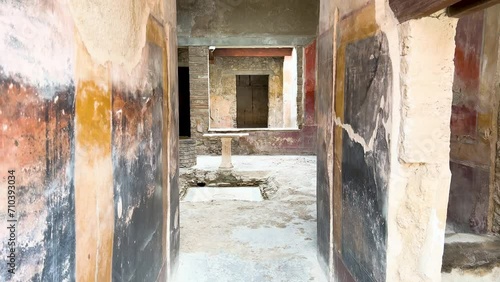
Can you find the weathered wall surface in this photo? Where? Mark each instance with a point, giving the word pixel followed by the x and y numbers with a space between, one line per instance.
pixel 307 84
pixel 492 26
pixel 383 175
pixel 246 23
pixel 359 158
pixel 420 178
pixel 187 153
pixel 471 127
pixel 136 150
pixel 199 96
pixel 170 134
pixel 223 88
pixel 365 167
pixel 324 107
pixel 490 84
pixel 301 74
pixel 37 140
pixel 87 114
pixel 355 163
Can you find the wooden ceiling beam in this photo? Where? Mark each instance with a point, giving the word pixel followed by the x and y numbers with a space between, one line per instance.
pixel 466 7
pixel 252 52
pixel 413 9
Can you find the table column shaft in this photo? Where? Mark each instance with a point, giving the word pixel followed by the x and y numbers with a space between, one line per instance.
pixel 226 153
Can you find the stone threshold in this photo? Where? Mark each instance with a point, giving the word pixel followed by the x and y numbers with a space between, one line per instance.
pixel 470 257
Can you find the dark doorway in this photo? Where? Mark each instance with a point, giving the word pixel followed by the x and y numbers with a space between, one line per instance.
pixel 184 103
pixel 252 98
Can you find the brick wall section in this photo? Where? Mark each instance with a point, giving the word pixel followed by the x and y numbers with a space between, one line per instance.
pixel 187 153
pixel 198 81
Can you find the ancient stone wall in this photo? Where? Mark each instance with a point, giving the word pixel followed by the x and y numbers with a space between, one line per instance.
pixel 291 141
pixel 199 95
pixel 187 153
pixel 223 88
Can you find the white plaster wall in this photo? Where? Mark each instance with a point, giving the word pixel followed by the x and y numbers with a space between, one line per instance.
pixel 420 177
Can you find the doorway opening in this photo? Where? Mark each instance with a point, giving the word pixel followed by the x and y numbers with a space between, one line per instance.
pixel 184 103
pixel 252 101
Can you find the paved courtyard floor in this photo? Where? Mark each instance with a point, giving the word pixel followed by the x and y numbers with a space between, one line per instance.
pixel 270 240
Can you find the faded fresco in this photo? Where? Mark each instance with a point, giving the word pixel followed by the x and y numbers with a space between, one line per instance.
pixel 470 123
pixel 353 142
pixel 171 159
pixel 94 151
pixel 364 172
pixel 324 108
pixel 137 172
pixel 37 140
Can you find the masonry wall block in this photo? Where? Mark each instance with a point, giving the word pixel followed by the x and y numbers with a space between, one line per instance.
pixel 187 153
pixel 378 190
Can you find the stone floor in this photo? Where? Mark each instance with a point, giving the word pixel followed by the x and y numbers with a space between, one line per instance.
pixel 470 258
pixel 271 240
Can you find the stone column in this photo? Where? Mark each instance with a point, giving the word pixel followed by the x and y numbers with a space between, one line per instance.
pixel 226 153
pixel 420 173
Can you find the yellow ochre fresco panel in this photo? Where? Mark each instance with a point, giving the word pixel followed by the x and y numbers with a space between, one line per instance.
pixel 94 204
pixel 93 116
pixel 355 26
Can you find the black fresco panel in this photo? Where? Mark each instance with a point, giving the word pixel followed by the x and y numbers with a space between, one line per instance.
pixel 365 174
